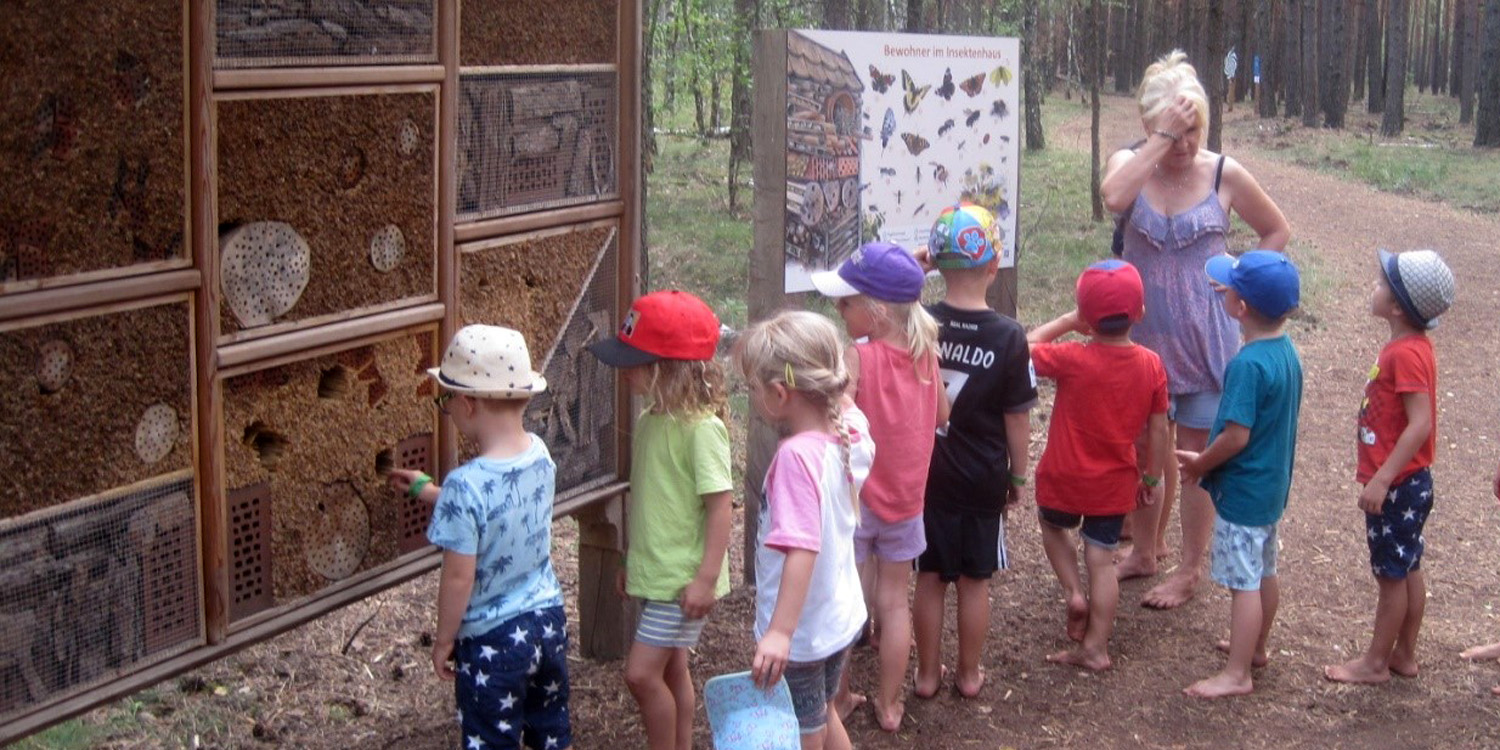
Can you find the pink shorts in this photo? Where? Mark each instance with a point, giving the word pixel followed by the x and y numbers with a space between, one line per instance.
pixel 893 541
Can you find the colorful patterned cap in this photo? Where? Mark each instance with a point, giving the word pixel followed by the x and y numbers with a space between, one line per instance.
pixel 964 236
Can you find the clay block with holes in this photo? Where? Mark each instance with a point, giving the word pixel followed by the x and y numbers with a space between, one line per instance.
pixel 250 551
pixel 414 453
pixel 169 564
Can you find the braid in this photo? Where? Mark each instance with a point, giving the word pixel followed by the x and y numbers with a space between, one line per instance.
pixel 836 418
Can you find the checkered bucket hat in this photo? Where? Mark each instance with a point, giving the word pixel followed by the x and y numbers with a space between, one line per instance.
pixel 1422 283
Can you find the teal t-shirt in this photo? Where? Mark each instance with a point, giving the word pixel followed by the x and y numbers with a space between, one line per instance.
pixel 674 463
pixel 1262 391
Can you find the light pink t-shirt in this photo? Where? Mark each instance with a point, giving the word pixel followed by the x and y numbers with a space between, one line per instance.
pixel 903 422
pixel 808 507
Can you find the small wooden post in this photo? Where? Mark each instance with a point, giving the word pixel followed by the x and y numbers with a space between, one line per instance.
pixel 604 620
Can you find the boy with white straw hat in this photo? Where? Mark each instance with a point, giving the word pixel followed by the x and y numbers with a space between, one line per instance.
pixel 500 609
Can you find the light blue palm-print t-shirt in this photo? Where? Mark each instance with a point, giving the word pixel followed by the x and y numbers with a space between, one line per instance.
pixel 500 511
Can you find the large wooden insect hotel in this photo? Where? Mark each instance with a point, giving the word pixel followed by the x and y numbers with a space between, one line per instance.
pixel 233 236
pixel 824 132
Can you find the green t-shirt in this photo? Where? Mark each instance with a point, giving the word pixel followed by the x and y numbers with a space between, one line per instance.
pixel 674 462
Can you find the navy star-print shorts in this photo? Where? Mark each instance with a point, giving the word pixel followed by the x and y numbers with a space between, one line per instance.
pixel 1395 535
pixel 512 684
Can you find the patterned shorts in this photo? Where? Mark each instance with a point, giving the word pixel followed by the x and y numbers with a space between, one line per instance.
pixel 1243 555
pixel 512 683
pixel 813 685
pixel 1395 534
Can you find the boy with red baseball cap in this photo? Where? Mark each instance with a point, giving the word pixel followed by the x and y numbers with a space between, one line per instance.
pixel 1108 391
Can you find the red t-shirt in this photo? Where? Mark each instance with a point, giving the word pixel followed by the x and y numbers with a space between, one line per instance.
pixel 1406 365
pixel 1105 396
pixel 903 424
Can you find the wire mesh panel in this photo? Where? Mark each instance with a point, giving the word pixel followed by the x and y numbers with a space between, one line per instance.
pixel 92 159
pixel 529 141
pixel 326 204
pixel 256 33
pixel 96 586
pixel 308 449
pixel 513 32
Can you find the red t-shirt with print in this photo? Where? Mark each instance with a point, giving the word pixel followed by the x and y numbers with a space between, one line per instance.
pixel 1406 365
pixel 1105 395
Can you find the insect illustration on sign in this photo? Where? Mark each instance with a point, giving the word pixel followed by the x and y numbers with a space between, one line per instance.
pixel 914 93
pixel 946 90
pixel 919 210
pixel 916 144
pixel 945 127
pixel 879 81
pixel 972 85
pixel 999 110
pixel 939 173
pixel 1000 76
pixel 919 175
pixel 971 116
pixel 887 127
pixel 888 171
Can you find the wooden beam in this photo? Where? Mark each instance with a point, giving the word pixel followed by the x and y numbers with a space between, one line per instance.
pixel 117 277
pixel 50 312
pixel 486 228
pixel 447 209
pixel 329 320
pixel 343 90
pixel 483 70
pixel 293 78
pixel 253 355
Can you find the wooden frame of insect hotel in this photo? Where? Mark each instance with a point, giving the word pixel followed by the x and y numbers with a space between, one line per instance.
pixel 234 237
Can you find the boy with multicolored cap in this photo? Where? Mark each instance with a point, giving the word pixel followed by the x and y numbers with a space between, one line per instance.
pixel 680 493
pixel 1247 465
pixel 980 459
pixel 500 608
pixel 1397 440
pixel 1109 391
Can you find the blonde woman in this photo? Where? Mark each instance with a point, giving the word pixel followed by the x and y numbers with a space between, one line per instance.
pixel 1175 198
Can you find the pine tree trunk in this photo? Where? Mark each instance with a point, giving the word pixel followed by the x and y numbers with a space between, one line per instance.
pixel 1033 80
pixel 1374 57
pixel 1310 62
pixel 1487 123
pixel 1213 70
pixel 1358 50
pixel 913 16
pixel 1393 119
pixel 836 14
pixel 1332 51
pixel 1119 45
pixel 1096 84
pixel 1456 48
pixel 1416 56
pixel 1265 103
pixel 1439 50
pixel 1472 45
pixel 1293 57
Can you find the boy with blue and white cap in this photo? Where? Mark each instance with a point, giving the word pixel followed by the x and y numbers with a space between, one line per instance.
pixel 1397 440
pixel 1247 465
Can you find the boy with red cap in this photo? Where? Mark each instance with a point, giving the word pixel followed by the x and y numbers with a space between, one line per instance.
pixel 1108 391
pixel 680 493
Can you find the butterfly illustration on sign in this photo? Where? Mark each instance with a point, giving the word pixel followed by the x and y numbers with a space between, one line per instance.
pixel 1000 76
pixel 999 110
pixel 887 127
pixel 916 144
pixel 914 93
pixel 879 81
pixel 946 90
pixel 972 85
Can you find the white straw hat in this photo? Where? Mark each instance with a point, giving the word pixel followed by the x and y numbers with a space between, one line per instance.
pixel 489 361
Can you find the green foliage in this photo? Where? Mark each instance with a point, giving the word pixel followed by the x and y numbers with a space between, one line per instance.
pixel 696 244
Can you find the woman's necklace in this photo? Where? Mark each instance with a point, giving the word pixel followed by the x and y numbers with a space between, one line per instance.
pixel 1174 180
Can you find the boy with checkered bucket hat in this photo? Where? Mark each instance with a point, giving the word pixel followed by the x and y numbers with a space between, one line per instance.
pixel 1397 440
pixel 1247 465
pixel 502 636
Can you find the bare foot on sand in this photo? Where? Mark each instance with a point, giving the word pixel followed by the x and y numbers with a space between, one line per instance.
pixel 889 717
pixel 1078 617
pixel 1171 593
pixel 1219 686
pixel 1404 665
pixel 1357 672
pixel 925 687
pixel 969 688
pixel 1481 653
pixel 1080 657
pixel 1495 690
pixel 1134 567
pixel 1257 661
pixel 846 705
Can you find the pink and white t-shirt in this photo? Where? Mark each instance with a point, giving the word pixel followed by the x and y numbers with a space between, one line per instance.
pixel 808 507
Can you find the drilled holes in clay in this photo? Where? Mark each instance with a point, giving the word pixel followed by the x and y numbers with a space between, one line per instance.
pixel 265 269
pixel 334 382
pixel 408 138
pixel 384 463
pixel 351 167
pixel 54 365
pixel 156 433
pixel 267 444
pixel 387 248
pixel 340 535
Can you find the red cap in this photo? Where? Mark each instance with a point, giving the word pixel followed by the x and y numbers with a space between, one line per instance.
pixel 1109 288
pixel 662 325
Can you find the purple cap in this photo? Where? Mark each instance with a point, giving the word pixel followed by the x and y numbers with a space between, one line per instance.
pixel 882 270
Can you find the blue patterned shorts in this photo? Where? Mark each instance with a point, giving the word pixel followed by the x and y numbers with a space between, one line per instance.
pixel 1395 534
pixel 512 683
pixel 1243 555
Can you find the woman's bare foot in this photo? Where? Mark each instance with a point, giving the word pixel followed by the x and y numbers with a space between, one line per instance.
pixel 1134 567
pixel 1163 553
pixel 1404 666
pixel 1495 690
pixel 1080 657
pixel 926 687
pixel 969 688
pixel 847 703
pixel 1256 662
pixel 1481 653
pixel 1357 672
pixel 1219 686
pixel 1078 617
pixel 1173 592
pixel 889 717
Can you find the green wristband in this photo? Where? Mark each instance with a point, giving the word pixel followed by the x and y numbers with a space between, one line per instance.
pixel 1149 480
pixel 1017 481
pixel 417 485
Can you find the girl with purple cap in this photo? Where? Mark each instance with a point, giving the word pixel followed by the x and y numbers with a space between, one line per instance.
pixel 893 378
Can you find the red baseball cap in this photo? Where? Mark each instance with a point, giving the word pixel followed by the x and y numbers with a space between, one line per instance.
pixel 1109 288
pixel 662 325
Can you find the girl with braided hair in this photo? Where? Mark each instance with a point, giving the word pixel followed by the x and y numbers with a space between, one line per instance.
pixel 808 607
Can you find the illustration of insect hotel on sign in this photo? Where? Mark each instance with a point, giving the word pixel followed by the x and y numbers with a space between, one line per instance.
pixel 822 160
pixel 885 130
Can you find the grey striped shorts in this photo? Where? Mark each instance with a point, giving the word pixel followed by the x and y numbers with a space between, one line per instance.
pixel 663 625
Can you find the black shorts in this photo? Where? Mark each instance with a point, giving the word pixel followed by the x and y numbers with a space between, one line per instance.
pixel 960 543
pixel 1100 531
